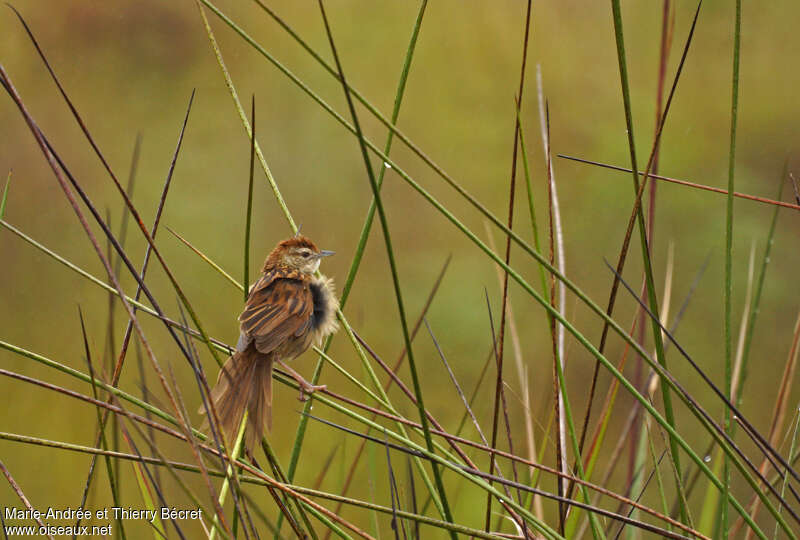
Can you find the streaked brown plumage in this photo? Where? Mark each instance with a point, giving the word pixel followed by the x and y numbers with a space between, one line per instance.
pixel 287 310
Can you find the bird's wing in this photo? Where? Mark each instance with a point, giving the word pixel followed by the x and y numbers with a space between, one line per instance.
pixel 278 308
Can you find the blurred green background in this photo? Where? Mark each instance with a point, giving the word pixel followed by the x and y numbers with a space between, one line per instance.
pixel 130 68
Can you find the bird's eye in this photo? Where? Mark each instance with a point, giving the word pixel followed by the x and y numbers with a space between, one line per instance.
pixel 306 254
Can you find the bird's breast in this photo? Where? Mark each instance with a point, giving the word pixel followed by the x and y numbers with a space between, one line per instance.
pixel 323 320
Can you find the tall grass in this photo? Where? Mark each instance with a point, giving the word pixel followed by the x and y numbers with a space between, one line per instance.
pixel 524 491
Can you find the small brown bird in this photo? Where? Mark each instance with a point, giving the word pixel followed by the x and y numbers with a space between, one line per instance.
pixel 287 310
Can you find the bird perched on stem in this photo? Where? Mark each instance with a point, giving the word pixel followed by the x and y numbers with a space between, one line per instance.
pixel 287 310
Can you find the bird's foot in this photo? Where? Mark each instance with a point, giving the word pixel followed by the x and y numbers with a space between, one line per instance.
pixel 306 389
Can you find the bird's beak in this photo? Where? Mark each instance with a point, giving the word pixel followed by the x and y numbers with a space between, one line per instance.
pixel 325 253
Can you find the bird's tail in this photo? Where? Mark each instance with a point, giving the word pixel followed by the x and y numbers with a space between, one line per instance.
pixel 245 382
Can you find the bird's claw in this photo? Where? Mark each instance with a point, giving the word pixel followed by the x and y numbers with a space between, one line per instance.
pixel 307 389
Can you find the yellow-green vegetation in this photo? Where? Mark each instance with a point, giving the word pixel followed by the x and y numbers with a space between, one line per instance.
pixel 418 104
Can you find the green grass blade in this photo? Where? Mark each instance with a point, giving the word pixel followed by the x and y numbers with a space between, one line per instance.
pixel 791 452
pixel 208 260
pixel 5 196
pixel 726 475
pixel 237 451
pixel 531 206
pixel 301 508
pixel 651 292
pixel 656 462
pixel 395 278
pixel 756 305
pixel 113 475
pixel 597 532
pixel 158 533
pixel 709 511
pixel 373 477
pixel 366 228
pixel 243 117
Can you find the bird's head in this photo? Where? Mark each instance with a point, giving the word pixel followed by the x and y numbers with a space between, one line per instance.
pixel 296 253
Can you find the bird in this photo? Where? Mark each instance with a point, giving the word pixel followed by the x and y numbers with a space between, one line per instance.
pixel 288 308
